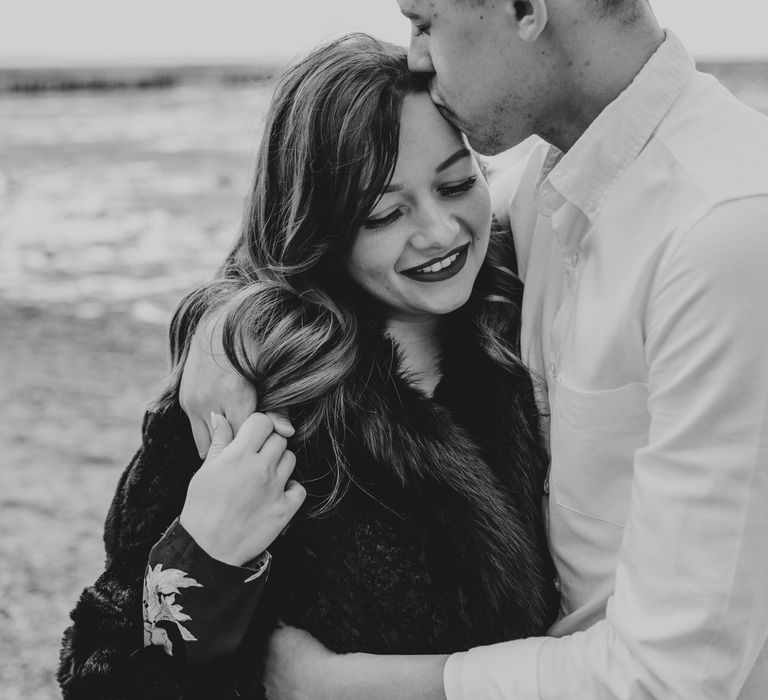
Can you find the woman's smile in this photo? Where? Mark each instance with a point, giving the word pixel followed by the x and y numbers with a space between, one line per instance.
pixel 439 269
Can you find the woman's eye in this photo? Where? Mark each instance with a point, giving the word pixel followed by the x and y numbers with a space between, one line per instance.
pixel 463 186
pixel 384 220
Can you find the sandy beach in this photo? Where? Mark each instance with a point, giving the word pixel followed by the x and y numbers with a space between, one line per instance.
pixel 72 393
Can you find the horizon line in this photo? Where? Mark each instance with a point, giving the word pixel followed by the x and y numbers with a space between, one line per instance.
pixel 275 61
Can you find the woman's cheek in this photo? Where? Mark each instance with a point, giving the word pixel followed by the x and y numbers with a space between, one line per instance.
pixel 371 263
pixel 479 213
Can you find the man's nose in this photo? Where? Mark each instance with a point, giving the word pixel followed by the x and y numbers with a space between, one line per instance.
pixel 419 60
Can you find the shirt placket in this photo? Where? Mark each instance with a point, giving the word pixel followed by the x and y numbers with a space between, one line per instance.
pixel 569 226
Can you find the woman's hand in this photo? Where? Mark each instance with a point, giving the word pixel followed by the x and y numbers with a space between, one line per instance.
pixel 241 498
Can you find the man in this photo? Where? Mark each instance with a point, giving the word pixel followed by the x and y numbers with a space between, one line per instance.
pixel 642 236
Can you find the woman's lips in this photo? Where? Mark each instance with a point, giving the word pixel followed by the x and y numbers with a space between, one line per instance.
pixel 445 273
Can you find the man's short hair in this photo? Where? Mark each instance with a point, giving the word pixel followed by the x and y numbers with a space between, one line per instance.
pixel 605 7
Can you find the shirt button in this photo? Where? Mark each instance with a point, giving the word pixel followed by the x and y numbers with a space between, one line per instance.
pixel 546 485
pixel 552 368
pixel 574 258
pixel 556 584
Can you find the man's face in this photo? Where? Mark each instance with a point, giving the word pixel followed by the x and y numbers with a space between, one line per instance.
pixel 482 76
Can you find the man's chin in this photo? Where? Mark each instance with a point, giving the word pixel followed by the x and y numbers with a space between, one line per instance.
pixel 482 142
pixel 486 144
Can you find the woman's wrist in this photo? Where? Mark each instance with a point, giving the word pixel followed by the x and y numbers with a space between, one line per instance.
pixel 234 559
pixel 213 549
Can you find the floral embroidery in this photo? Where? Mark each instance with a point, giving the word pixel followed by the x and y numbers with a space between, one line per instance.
pixel 162 614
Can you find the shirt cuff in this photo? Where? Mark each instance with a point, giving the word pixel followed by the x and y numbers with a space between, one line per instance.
pixel 506 671
pixel 198 608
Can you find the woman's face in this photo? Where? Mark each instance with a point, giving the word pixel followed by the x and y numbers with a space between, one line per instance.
pixel 423 244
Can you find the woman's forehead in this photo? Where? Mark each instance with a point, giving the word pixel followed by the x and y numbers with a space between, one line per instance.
pixel 426 138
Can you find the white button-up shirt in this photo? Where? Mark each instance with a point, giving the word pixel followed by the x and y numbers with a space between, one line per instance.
pixel 644 252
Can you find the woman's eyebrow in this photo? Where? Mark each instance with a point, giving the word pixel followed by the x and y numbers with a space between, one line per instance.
pixel 448 162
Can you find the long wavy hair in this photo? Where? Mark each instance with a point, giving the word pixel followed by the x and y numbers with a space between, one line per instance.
pixel 329 149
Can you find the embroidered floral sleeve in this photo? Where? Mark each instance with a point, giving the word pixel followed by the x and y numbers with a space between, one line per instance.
pixel 196 607
pixel 102 651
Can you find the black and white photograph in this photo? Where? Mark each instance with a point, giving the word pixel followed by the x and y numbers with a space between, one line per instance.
pixel 384 350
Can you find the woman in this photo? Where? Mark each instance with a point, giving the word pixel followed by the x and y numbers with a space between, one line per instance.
pixel 368 299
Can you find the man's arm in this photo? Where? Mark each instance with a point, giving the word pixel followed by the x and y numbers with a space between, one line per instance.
pixel 298 667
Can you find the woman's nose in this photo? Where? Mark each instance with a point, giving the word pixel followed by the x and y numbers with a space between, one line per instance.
pixel 435 228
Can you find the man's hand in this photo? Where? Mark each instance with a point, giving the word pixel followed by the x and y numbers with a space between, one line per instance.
pixel 240 500
pixel 209 384
pixel 298 667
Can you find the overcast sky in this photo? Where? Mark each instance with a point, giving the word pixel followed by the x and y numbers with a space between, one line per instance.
pixel 150 30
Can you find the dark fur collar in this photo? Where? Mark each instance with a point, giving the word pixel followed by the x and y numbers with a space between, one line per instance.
pixel 471 455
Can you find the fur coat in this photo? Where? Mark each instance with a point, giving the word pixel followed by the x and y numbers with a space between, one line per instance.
pixel 437 546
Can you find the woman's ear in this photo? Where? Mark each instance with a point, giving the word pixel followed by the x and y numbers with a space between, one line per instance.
pixel 531 17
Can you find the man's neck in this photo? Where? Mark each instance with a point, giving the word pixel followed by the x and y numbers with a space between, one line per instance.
pixel 600 69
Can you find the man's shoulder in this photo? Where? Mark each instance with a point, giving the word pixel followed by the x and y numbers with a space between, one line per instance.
pixel 716 141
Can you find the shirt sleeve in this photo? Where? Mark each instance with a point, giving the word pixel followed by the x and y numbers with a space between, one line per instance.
pixel 689 616
pixel 197 607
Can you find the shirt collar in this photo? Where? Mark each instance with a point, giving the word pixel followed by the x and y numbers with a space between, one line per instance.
pixel 613 141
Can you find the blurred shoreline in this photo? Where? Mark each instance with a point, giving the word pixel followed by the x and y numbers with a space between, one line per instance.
pixel 110 78
pixel 48 77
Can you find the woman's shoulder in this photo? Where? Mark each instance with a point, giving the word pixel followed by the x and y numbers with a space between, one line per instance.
pixel 151 489
pixel 167 445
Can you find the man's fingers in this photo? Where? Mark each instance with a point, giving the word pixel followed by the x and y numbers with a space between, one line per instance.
pixel 221 434
pixel 240 404
pixel 201 435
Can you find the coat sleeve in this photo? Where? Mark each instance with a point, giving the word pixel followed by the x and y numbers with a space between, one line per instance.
pixel 103 654
pixel 195 606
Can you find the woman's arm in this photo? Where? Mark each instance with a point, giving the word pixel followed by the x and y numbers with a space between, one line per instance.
pixel 103 654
